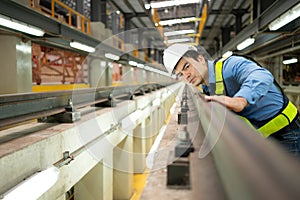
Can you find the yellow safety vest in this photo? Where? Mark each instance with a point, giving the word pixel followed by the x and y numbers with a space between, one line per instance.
pixel 277 123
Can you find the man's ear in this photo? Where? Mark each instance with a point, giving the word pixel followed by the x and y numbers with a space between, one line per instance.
pixel 201 59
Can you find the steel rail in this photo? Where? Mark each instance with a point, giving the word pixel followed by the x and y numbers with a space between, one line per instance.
pixel 16 108
pixel 249 166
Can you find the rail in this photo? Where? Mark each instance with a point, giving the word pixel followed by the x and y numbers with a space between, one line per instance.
pixel 18 108
pixel 249 166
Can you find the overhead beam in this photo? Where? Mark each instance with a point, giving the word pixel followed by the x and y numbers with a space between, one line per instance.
pixel 260 23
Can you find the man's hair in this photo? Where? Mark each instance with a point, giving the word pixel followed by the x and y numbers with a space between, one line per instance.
pixel 194 54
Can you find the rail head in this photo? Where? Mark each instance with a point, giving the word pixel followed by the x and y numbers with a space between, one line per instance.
pixel 250 166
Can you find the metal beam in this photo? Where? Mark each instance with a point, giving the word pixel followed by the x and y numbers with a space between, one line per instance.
pixel 30 16
pixel 260 22
pixel 22 107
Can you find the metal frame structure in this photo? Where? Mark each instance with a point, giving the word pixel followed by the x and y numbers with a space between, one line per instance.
pixel 52 65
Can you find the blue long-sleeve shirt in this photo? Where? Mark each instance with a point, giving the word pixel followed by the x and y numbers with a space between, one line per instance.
pixel 244 78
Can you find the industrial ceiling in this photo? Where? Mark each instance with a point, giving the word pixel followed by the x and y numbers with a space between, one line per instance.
pixel 228 23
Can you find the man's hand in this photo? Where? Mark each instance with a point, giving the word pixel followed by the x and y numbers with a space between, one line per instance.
pixel 236 104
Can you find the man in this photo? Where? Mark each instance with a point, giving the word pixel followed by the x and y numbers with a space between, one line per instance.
pixel 243 87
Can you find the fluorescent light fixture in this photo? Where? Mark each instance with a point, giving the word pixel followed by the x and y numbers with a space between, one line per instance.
pixel 181 32
pixel 290 61
pixel 147 67
pixel 20 26
pixel 111 56
pixel 83 47
pixel 245 43
pixel 147 6
pixel 35 186
pixel 284 19
pixel 163 4
pixel 177 21
pixel 178 40
pixel 227 54
pixel 132 63
pixel 139 65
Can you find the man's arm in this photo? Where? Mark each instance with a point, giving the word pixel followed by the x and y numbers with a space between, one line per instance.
pixel 236 104
pixel 255 81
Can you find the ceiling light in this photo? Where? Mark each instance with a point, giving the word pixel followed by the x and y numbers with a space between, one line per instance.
pixel 163 4
pixel 227 54
pixel 147 6
pixel 245 43
pixel 178 40
pixel 132 63
pixel 35 186
pixel 139 65
pixel 83 47
pixel 111 56
pixel 177 21
pixel 20 26
pixel 181 32
pixel 290 61
pixel 284 19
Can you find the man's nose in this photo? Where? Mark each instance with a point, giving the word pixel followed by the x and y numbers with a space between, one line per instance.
pixel 186 74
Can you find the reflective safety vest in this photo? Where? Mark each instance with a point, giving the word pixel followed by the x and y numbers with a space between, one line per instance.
pixel 281 120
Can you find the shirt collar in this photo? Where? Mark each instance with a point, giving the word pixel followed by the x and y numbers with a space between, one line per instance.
pixel 211 72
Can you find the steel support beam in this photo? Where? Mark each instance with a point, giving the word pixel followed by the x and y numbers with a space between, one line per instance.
pixel 22 107
pixel 95 11
pixel 260 23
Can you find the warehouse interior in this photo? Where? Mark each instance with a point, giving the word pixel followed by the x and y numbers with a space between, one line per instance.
pixel 89 111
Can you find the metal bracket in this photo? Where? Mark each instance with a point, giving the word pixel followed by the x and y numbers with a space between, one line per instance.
pixel 111 102
pixel 178 174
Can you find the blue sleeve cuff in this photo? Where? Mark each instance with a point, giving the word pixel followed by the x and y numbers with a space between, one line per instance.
pixel 248 94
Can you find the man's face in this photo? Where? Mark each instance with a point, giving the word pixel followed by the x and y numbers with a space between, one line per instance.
pixel 191 70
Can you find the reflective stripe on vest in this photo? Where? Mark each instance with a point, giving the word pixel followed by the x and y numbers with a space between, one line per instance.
pixel 277 123
pixel 280 121
pixel 220 89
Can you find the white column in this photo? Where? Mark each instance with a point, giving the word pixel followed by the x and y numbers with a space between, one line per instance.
pixel 16 65
pixel 123 170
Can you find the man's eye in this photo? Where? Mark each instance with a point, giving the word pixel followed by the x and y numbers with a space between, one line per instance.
pixel 179 75
pixel 186 67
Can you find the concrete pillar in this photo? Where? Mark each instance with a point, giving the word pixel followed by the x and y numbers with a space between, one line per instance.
pixel 154 126
pixel 116 23
pixel 139 149
pixel 100 73
pixel 90 187
pixel 108 176
pixel 146 129
pixel 123 170
pixel 16 65
pixel 128 75
pixel 140 76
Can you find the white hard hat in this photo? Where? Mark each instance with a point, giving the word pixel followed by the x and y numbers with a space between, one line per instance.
pixel 174 53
